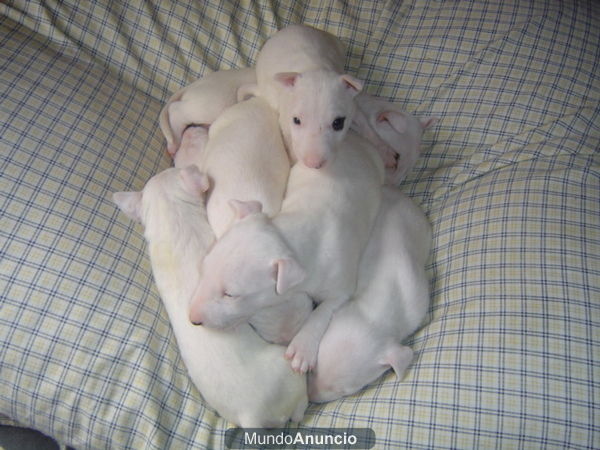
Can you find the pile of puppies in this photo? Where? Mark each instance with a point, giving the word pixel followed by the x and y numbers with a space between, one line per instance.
pixel 278 243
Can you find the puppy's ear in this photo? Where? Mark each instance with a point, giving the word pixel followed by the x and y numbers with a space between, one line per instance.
pixel 354 85
pixel 288 273
pixel 130 203
pixel 427 122
pixel 398 357
pixel 287 79
pixel 195 182
pixel 243 209
pixel 396 120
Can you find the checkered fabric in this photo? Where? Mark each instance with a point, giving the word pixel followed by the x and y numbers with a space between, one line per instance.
pixel 510 179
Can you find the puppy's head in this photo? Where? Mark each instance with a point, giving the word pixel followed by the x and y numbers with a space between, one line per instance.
pixel 316 112
pixel 400 132
pixel 163 192
pixel 249 268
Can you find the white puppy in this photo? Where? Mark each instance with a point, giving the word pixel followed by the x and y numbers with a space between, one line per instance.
pixel 395 134
pixel 391 300
pixel 245 159
pixel 201 102
pixel 300 72
pixel 313 245
pixel 245 379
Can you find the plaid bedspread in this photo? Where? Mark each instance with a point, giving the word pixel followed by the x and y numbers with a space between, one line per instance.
pixel 509 178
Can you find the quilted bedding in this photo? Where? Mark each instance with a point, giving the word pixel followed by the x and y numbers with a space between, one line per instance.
pixel 509 178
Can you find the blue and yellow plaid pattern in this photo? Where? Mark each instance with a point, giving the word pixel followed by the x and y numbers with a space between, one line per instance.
pixel 510 179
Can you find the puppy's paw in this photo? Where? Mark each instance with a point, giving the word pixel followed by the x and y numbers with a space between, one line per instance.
pixel 302 353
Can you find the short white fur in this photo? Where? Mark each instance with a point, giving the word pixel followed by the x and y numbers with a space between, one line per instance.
pixel 245 159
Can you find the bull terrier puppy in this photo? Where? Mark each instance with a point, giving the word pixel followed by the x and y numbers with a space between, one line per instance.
pixel 245 159
pixel 201 102
pixel 244 378
pixel 364 337
pixel 313 245
pixel 300 72
pixel 395 134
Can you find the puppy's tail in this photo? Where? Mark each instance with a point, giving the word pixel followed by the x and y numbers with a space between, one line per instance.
pixel 165 124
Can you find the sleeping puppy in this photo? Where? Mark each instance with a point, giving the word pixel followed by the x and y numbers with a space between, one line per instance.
pixel 257 391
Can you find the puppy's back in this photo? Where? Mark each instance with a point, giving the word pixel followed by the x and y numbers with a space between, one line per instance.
pixel 246 159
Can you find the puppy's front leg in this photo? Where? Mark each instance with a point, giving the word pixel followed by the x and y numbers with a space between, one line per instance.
pixel 303 349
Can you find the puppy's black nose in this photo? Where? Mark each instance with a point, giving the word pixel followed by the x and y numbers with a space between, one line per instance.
pixel 196 323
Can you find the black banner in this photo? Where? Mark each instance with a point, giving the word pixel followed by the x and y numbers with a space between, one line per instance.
pixel 300 438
